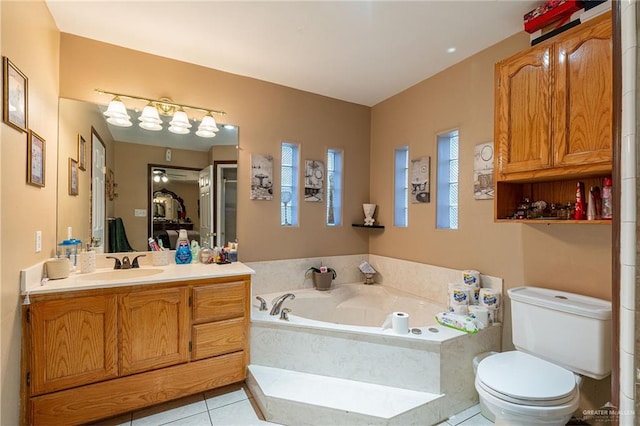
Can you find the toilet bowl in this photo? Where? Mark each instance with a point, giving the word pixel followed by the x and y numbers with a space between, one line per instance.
pixel 557 335
pixel 520 389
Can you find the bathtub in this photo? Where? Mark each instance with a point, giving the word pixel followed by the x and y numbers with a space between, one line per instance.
pixel 356 307
pixel 338 334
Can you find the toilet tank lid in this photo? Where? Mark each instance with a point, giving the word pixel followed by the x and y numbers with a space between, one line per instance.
pixel 563 301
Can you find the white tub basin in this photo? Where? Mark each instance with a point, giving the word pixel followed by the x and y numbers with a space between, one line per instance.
pixel 120 274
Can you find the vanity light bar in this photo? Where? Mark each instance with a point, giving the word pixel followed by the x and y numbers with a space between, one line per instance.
pixel 165 105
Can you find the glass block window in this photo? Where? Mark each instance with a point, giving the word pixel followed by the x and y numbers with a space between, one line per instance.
pixel 447 199
pixel 289 184
pixel 401 187
pixel 334 187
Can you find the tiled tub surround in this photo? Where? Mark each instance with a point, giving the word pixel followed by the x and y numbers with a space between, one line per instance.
pixel 303 370
pixel 422 280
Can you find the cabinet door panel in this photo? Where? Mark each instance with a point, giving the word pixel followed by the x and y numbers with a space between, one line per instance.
pixel 73 342
pixel 219 301
pixel 584 93
pixel 523 111
pixel 155 327
pixel 217 338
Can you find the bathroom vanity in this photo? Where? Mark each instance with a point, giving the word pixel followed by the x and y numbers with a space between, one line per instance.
pixel 95 348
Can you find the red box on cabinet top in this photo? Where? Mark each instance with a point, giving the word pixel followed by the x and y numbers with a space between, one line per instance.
pixel 550 12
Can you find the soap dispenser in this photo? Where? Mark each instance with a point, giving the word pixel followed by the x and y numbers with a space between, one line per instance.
pixel 183 250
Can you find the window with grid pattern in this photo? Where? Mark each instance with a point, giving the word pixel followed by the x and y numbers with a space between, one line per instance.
pixel 447 199
pixel 401 188
pixel 334 187
pixel 289 184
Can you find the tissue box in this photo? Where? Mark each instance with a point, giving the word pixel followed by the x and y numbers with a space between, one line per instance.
pixel 550 12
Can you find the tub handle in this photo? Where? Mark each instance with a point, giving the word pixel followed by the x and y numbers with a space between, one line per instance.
pixel 263 303
pixel 284 314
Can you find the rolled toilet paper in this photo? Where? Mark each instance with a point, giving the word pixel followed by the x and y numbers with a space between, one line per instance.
pixel 459 295
pixel 480 314
pixel 471 278
pixel 400 322
pixel 489 298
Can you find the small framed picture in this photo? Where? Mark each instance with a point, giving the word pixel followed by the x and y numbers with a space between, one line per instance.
pixel 82 153
pixel 73 177
pixel 15 96
pixel 35 159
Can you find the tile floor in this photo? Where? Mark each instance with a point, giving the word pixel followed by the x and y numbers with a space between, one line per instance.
pixel 233 406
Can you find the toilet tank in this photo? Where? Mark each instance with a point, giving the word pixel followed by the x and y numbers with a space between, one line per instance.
pixel 570 330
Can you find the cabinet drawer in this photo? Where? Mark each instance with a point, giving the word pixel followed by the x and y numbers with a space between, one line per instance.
pixel 218 338
pixel 219 301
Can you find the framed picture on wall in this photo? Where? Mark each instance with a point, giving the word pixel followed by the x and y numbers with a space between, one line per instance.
pixel 35 159
pixel 82 153
pixel 420 169
pixel 73 177
pixel 261 177
pixel 313 180
pixel 483 188
pixel 15 96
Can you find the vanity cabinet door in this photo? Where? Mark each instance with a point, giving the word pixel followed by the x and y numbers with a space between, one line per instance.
pixel 154 329
pixel 73 342
pixel 584 97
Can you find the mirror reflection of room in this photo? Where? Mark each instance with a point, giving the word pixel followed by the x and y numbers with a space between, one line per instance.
pixel 128 154
pixel 176 204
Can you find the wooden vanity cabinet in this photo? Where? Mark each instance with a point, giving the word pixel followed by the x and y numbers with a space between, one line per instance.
pixel 93 354
pixel 553 117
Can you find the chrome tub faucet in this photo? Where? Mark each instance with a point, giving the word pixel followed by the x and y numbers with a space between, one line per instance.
pixel 277 303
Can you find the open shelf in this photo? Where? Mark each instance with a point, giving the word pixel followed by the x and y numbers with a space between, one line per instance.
pixel 555 221
pixel 358 225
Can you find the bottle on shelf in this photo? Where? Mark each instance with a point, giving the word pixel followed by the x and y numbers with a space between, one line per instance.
pixel 607 201
pixel 580 212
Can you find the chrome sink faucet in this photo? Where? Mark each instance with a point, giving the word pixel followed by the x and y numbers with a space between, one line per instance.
pixel 277 303
pixel 126 263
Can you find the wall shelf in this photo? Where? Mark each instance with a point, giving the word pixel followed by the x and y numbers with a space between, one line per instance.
pixel 555 221
pixel 358 225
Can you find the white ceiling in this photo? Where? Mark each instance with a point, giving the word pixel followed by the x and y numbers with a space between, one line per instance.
pixel 357 51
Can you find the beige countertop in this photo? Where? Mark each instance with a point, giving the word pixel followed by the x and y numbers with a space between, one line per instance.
pixel 105 277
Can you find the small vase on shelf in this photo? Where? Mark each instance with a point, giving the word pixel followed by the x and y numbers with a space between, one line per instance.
pixel 369 210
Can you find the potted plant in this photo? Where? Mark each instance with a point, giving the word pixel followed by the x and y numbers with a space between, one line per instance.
pixel 322 277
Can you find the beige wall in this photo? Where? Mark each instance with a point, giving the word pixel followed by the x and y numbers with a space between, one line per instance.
pixel 266 114
pixel 31 40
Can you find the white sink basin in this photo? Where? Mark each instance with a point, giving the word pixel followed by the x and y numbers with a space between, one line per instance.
pixel 119 274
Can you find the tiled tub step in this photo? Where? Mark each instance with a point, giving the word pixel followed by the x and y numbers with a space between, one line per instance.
pixel 295 398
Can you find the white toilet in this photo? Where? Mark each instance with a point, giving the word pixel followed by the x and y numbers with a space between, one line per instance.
pixel 558 336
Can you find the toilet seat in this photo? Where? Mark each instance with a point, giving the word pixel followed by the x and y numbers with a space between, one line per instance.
pixel 523 379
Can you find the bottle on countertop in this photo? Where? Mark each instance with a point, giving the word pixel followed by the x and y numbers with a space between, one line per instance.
pixel 206 254
pixel 183 250
pixel 195 251
pixel 607 201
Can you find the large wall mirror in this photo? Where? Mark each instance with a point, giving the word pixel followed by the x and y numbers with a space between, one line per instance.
pixel 155 182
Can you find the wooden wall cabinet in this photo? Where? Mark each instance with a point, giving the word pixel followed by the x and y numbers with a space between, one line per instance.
pixel 93 354
pixel 553 117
